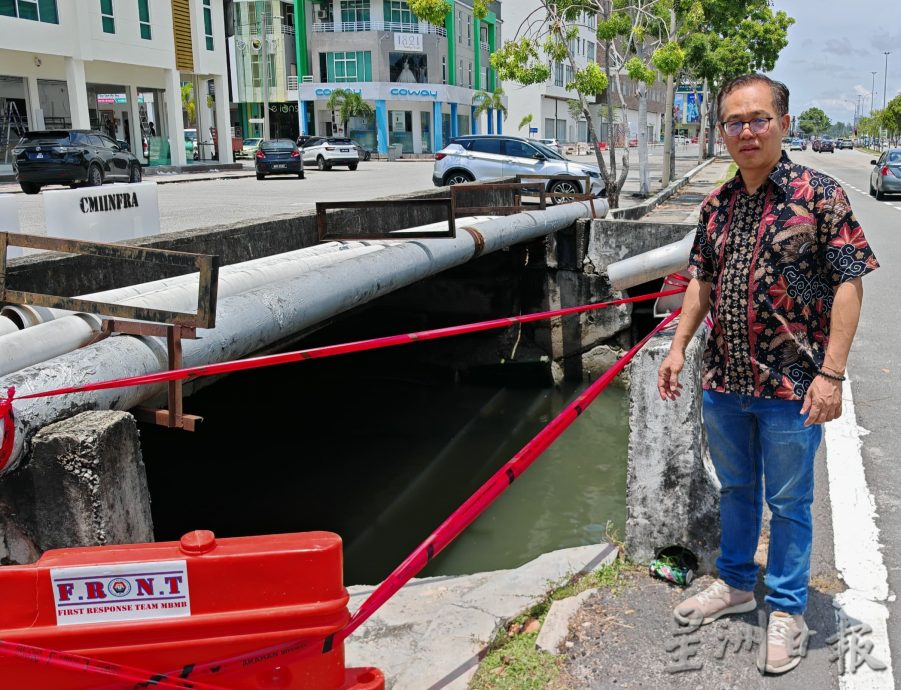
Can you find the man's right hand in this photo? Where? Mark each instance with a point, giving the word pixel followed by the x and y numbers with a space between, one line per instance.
pixel 668 376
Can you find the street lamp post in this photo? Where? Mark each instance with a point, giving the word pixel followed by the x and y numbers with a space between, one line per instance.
pixel 885 79
pixel 872 92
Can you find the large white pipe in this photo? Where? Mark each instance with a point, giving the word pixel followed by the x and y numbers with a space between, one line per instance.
pixel 257 319
pixel 648 266
pixel 62 331
pixel 31 316
pixel 18 317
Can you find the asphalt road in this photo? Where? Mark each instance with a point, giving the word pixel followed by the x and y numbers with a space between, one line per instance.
pixel 875 362
pixel 234 198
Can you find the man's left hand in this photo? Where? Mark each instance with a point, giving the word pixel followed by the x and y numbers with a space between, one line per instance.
pixel 823 401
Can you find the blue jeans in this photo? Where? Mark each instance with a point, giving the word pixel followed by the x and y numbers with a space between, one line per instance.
pixel 752 440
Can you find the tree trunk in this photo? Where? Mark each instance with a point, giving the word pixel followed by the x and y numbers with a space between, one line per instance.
pixel 668 132
pixel 712 117
pixel 702 111
pixel 643 175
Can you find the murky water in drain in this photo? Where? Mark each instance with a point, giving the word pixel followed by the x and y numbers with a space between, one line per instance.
pixel 382 458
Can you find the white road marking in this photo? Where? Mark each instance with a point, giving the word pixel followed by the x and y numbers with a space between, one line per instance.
pixel 858 553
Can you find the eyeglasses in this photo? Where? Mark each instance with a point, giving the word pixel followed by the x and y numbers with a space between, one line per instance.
pixel 759 125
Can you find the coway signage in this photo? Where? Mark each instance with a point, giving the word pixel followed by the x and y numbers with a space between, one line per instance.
pixel 388 91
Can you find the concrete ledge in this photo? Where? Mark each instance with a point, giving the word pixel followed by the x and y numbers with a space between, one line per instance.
pixel 433 633
pixel 556 624
pixel 636 212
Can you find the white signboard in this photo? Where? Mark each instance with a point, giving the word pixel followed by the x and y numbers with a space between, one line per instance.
pixel 109 213
pixel 121 592
pixel 9 221
pixel 410 43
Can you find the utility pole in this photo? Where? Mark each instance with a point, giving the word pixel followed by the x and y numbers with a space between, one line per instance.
pixel 885 79
pixel 264 56
pixel 872 92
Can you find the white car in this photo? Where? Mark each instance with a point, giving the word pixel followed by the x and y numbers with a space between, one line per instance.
pixel 250 146
pixel 552 144
pixel 325 152
pixel 487 156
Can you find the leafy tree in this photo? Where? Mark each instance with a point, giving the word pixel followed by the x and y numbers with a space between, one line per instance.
pixel 526 122
pixel 813 121
pixel 188 106
pixel 486 101
pixel 735 37
pixel 347 104
pixel 524 60
pixel 890 118
pixel 435 11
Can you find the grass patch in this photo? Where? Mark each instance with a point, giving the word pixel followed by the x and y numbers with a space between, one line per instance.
pixel 513 662
pixel 730 172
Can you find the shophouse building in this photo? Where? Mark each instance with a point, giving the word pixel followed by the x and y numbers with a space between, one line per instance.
pixel 114 65
pixel 423 81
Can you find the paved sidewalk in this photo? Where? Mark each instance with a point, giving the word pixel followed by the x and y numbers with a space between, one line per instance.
pixel 685 206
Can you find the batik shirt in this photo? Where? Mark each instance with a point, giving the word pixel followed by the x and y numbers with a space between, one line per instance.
pixel 774 259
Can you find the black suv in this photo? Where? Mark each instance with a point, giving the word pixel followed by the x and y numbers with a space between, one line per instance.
pixel 73 157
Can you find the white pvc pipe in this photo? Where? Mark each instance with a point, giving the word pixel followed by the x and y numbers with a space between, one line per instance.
pixel 63 331
pixel 254 320
pixel 31 316
pixel 648 266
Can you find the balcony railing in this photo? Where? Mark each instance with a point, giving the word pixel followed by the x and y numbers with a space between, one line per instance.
pixel 292 83
pixel 397 27
pixel 484 45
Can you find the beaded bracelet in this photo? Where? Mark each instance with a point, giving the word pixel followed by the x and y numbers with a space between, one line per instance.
pixel 827 375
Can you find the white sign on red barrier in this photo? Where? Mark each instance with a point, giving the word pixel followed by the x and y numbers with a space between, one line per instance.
pixel 121 592
pixel 109 213
pixel 9 221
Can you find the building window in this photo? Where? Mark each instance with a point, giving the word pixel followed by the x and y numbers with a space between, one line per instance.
pixel 36 10
pixel 144 18
pixel 558 74
pixel 459 27
pixel 569 74
pixel 443 69
pixel 470 75
pixel 346 66
pixel 208 24
pixel 106 16
pixel 398 12
pixel 592 54
pixel 592 20
pixel 356 13
pixel 469 29
pixel 408 68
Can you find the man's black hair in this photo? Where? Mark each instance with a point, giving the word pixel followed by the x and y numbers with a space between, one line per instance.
pixel 780 91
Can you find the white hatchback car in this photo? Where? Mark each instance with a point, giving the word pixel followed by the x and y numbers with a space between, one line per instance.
pixel 486 156
pixel 552 144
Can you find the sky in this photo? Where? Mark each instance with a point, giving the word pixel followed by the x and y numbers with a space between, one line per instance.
pixel 833 48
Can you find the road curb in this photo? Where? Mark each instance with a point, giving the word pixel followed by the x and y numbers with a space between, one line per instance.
pixel 642 209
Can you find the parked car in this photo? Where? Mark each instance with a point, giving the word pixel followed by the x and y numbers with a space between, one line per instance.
pixel 796 144
pixel 885 178
pixel 74 157
pixel 826 144
pixel 278 157
pixel 485 156
pixel 552 144
pixel 326 152
pixel 362 154
pixel 844 144
pixel 249 146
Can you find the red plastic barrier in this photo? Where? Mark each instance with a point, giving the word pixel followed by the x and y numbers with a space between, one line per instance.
pixel 128 612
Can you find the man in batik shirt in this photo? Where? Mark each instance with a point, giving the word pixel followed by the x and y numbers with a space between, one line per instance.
pixel 777 261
